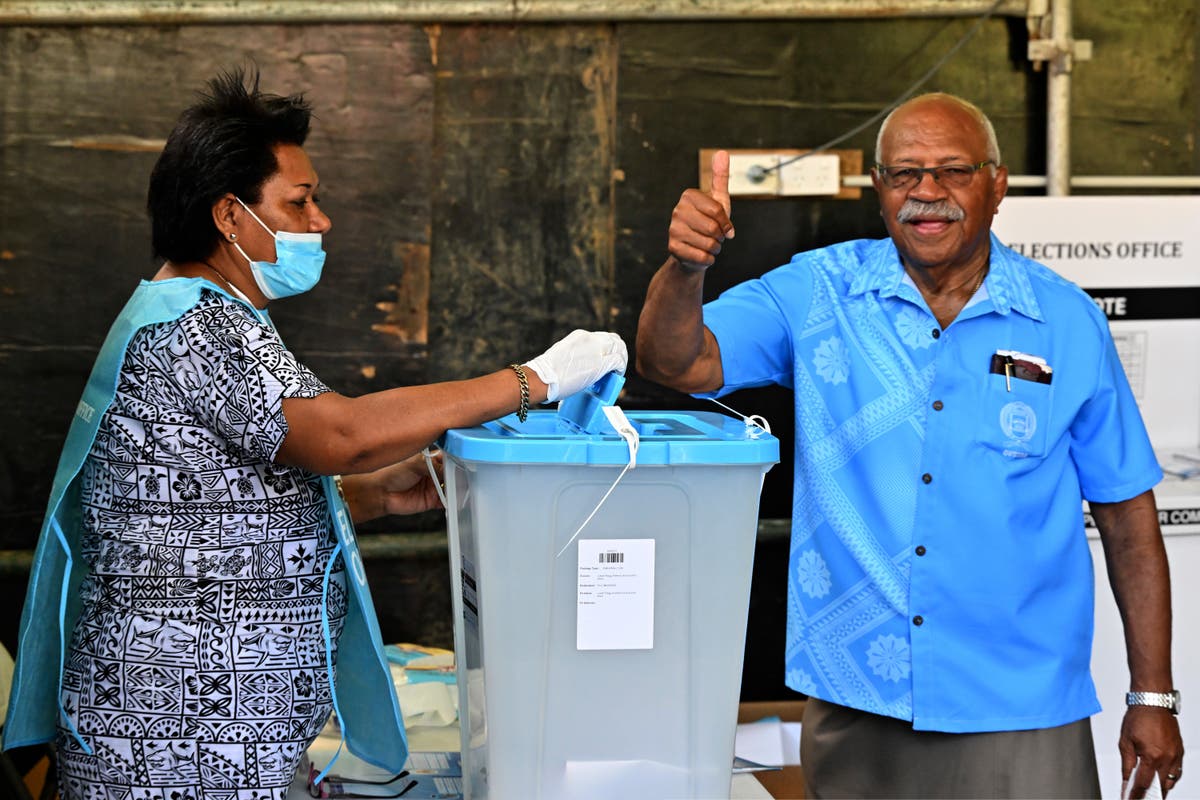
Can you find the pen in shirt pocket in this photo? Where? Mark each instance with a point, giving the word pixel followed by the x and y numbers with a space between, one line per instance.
pixel 1022 366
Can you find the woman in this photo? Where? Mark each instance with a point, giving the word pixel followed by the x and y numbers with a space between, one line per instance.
pixel 208 553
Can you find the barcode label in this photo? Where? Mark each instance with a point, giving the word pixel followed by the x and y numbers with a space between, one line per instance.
pixel 614 606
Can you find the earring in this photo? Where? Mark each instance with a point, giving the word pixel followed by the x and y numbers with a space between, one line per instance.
pixel 233 237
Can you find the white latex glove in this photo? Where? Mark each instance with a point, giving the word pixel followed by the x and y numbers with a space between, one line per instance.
pixel 578 360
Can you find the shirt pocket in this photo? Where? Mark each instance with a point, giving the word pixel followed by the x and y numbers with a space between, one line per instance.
pixel 1014 417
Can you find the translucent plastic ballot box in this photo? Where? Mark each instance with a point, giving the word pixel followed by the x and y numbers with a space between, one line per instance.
pixel 602 662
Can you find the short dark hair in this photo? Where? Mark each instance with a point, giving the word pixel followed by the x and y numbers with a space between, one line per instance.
pixel 223 143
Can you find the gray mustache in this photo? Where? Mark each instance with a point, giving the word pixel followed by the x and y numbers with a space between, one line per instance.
pixel 918 209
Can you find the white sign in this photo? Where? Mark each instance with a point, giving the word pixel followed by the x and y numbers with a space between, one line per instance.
pixel 1107 241
pixel 615 609
pixel 1139 259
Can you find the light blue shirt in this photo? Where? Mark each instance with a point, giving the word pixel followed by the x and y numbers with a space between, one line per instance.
pixel 939 570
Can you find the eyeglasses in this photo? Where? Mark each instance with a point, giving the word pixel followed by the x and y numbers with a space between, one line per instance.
pixel 337 786
pixel 902 177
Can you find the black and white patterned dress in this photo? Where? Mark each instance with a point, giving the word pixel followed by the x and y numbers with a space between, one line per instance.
pixel 197 668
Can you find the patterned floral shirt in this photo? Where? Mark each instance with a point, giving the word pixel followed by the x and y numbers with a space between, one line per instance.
pixel 181 500
pixel 939 569
pixel 198 660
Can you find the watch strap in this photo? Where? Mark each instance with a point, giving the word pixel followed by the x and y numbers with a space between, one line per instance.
pixel 1167 700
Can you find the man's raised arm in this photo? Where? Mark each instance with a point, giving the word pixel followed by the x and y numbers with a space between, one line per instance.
pixel 673 346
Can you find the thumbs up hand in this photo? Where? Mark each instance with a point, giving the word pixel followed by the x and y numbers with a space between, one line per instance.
pixel 700 221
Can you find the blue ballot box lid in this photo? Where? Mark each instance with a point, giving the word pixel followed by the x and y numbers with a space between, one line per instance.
pixel 583 412
pixel 666 438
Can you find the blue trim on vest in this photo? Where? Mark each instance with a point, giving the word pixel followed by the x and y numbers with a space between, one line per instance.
pixel 372 728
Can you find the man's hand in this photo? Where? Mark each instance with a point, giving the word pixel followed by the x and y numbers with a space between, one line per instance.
pixel 673 346
pixel 1140 576
pixel 700 221
pixel 1150 744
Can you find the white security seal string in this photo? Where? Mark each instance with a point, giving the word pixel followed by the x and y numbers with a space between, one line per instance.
pixel 756 425
pixel 627 432
pixel 752 421
pixel 437 481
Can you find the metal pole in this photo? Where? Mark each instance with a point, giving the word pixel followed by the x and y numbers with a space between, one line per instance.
pixel 215 12
pixel 1058 102
pixel 1167 182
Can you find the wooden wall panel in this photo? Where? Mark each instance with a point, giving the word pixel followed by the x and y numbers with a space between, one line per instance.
pixel 83 113
pixel 1134 105
pixel 522 202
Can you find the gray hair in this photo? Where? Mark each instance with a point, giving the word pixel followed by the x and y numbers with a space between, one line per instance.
pixel 993 147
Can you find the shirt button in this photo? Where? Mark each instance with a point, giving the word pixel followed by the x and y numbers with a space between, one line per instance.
pixel 926 478
pixel 920 549
pixel 936 333
pixel 937 405
pixel 918 620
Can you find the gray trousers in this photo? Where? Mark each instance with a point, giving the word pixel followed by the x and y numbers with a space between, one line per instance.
pixel 850 753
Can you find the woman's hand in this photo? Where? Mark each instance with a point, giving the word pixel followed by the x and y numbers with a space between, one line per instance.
pixel 402 488
pixel 578 360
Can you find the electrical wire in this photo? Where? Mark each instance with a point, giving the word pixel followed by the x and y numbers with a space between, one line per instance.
pixel 758 173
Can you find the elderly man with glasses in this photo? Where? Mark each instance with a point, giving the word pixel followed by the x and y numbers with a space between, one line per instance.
pixel 954 402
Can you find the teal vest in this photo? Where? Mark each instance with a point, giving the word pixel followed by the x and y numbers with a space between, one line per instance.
pixel 364 697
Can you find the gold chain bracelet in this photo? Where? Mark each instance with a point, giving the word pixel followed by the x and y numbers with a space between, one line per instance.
pixel 523 411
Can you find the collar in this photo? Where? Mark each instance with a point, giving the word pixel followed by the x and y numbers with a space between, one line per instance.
pixel 237 296
pixel 1007 282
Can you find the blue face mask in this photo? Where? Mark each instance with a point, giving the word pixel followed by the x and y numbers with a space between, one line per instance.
pixel 297 265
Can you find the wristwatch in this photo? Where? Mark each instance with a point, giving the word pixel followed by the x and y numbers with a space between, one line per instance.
pixel 1168 700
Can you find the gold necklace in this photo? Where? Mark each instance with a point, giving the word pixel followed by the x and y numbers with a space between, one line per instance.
pixel 233 287
pixel 982 274
pixel 221 275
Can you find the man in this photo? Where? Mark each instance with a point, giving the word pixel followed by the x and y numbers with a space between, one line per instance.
pixel 954 401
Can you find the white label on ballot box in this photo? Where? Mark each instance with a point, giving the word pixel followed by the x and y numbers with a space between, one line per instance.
pixel 615 608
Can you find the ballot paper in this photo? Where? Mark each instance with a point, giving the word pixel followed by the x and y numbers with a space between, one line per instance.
pixel 1153 792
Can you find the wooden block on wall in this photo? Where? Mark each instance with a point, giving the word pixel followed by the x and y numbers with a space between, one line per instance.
pixel 850 163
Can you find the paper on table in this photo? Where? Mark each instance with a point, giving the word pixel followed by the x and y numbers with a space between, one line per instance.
pixel 760 742
pixel 768 743
pixel 791 743
pixel 746 787
pixel 428 704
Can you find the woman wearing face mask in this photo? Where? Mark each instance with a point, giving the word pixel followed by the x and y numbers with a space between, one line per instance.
pixel 197 556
